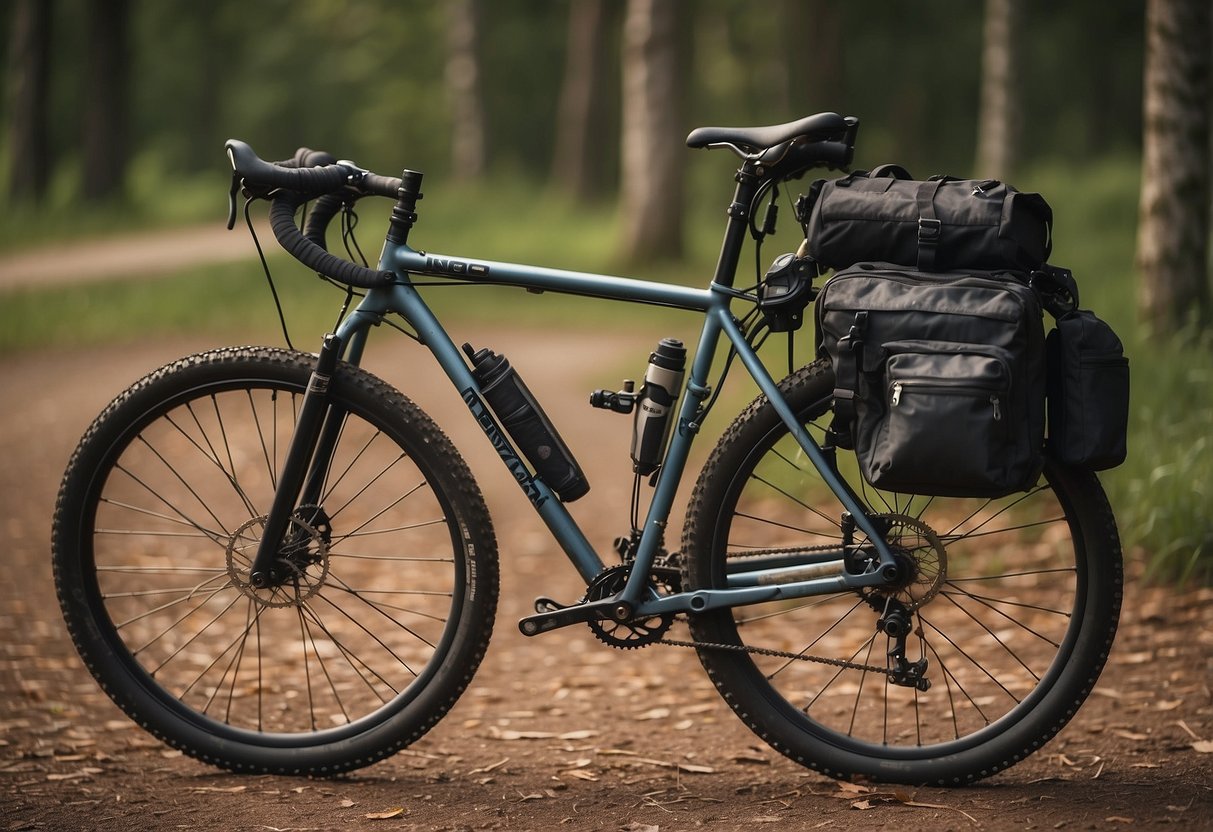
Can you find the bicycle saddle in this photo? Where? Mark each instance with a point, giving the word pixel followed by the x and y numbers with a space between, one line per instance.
pixel 752 139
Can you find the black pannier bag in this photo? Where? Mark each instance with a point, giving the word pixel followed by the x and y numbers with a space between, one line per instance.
pixel 1088 379
pixel 940 377
pixel 940 224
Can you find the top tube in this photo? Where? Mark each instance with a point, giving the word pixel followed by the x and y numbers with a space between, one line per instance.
pixel 491 272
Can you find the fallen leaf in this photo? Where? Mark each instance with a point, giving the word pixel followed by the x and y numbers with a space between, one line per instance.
pixel 655 713
pixel 862 804
pixel 1118 819
pixel 1130 735
pixel 581 774
pixel 852 788
pixel 1204 746
pixel 1143 657
pixel 520 735
pixel 394 812
pixel 1188 730
pixel 232 790
pixel 347 803
pixel 578 735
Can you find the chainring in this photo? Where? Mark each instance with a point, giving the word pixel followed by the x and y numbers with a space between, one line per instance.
pixel 629 635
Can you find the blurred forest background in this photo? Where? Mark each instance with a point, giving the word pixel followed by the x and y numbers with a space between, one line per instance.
pixel 552 132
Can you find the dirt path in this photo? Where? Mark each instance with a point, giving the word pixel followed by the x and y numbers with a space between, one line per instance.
pixel 131 255
pixel 618 741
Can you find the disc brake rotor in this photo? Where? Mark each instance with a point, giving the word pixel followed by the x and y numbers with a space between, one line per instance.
pixel 303 561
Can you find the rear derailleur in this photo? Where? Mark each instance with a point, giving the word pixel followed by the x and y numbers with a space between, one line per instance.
pixel 897 622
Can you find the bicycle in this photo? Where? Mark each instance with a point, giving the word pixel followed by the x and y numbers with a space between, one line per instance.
pixel 221 529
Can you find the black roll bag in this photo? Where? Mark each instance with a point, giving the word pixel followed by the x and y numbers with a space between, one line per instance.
pixel 940 224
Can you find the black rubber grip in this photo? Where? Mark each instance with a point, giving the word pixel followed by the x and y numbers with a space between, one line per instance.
pixel 377 185
pixel 282 221
pixel 311 181
pixel 321 214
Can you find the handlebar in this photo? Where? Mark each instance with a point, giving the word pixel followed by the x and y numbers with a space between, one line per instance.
pixel 291 183
pixel 824 140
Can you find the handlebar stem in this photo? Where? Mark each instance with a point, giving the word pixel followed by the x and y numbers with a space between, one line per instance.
pixel 404 212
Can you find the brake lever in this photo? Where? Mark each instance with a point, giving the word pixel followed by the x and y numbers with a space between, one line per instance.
pixel 231 201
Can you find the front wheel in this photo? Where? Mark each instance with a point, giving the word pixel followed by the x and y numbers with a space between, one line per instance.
pixel 390 570
pixel 1008 611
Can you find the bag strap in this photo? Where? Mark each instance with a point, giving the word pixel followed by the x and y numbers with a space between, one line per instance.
pixel 889 171
pixel 930 229
pixel 1057 289
pixel 846 380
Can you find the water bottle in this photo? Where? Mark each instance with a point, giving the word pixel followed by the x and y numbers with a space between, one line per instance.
pixel 527 424
pixel 655 405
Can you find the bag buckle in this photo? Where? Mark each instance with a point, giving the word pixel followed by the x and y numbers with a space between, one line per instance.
pixel 929 231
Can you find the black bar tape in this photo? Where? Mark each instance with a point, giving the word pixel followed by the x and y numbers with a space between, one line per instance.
pixel 282 221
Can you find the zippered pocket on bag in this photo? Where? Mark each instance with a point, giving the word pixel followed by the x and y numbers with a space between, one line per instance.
pixel 946 427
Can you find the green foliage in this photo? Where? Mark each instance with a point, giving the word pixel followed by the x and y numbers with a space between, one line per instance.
pixel 1163 496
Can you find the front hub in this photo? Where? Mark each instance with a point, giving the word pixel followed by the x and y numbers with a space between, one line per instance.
pixel 300 569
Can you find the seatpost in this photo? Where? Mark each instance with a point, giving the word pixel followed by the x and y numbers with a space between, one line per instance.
pixel 404 212
pixel 739 220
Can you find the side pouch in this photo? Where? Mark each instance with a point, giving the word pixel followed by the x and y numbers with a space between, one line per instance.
pixel 1088 392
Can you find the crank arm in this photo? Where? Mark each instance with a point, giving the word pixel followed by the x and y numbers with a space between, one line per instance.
pixel 542 622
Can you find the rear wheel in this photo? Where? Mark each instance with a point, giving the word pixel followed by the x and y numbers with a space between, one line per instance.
pixel 391 573
pixel 1008 609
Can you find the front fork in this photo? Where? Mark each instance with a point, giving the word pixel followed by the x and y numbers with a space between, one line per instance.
pixel 302 477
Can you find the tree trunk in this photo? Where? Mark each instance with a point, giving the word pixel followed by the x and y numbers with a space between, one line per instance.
pixel 1173 230
pixel 29 79
pixel 464 85
pixel 998 122
pixel 653 149
pixel 106 99
pixel 576 168
pixel 813 42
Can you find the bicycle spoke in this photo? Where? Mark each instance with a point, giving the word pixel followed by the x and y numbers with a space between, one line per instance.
pixel 342 585
pixel 970 659
pixel 988 601
pixel 994 636
pixel 212 457
pixel 218 537
pixel 770 522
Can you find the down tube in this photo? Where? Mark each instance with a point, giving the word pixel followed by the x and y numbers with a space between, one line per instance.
pixel 769 388
pixel 564 528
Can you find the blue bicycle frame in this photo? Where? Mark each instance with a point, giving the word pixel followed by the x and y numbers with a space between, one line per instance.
pixel 815 573
pixel 753 587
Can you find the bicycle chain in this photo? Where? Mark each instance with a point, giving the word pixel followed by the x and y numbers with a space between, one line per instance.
pixel 778 654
